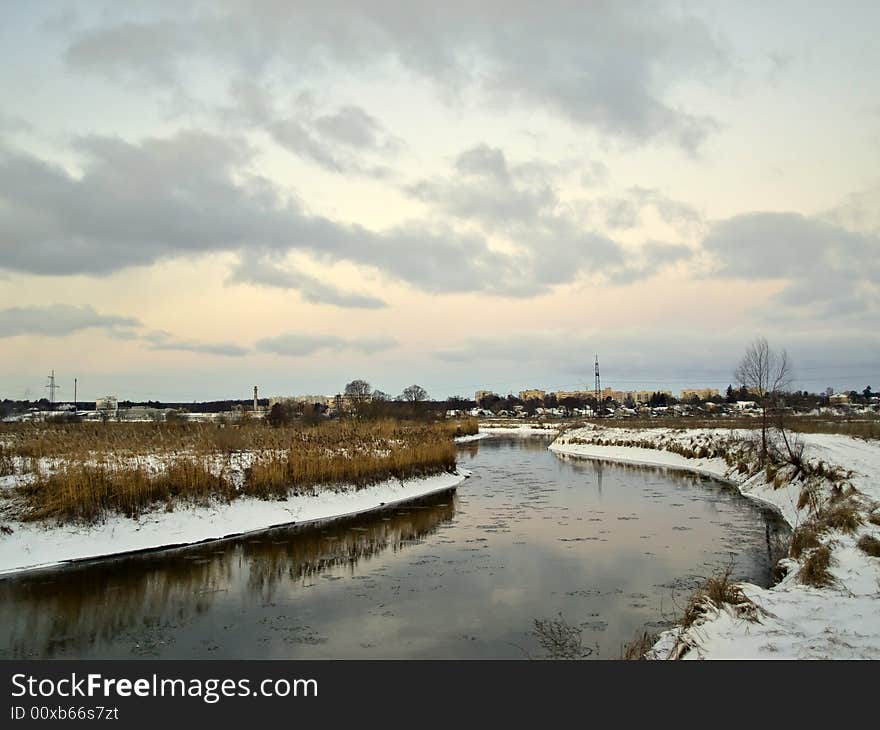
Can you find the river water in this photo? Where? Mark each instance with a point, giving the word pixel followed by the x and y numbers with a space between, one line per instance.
pixel 535 555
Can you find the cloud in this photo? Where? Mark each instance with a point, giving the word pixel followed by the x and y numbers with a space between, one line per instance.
pixel 554 243
pixel 223 348
pixel 346 139
pixel 194 193
pixel 828 270
pixel 58 320
pixel 260 271
pixel 614 67
pixel 297 344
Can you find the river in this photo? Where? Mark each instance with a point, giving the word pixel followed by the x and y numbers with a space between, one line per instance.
pixel 536 555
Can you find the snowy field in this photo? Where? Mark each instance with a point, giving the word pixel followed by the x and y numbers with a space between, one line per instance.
pixel 794 621
pixel 32 546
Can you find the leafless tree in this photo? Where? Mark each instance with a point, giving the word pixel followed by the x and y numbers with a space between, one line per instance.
pixel 767 374
pixel 414 394
pixel 358 389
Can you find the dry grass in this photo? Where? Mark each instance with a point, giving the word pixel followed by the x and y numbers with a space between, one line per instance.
pixel 276 475
pixel 843 516
pixel 638 646
pixel 803 538
pixel 84 494
pixel 870 545
pixel 814 569
pixel 91 470
pixel 79 440
pixel 717 591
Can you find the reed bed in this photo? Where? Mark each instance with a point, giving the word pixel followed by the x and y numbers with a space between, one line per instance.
pixel 85 472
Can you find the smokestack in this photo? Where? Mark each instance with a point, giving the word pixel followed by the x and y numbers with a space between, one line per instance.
pixel 255 397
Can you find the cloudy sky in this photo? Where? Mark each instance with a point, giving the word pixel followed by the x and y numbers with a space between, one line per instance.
pixel 200 197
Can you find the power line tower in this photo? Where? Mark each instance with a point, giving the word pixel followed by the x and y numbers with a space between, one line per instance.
pixel 598 388
pixel 51 387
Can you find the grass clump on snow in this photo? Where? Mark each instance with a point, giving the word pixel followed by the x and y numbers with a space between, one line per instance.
pixel 870 545
pixel 814 569
pixel 717 591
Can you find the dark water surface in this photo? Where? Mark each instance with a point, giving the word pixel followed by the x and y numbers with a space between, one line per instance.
pixel 592 552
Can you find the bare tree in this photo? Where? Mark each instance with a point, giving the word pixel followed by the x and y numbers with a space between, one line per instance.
pixel 766 374
pixel 414 394
pixel 358 389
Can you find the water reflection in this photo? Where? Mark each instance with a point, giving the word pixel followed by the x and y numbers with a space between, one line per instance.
pixel 70 610
pixel 531 544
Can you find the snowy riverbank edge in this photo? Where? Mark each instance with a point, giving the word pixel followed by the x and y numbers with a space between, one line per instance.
pixel 795 621
pixel 35 547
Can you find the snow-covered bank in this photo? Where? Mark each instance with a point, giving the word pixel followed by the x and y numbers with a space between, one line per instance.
pixel 794 621
pixel 31 546
pixel 525 429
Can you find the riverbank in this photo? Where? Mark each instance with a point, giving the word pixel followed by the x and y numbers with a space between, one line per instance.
pixel 837 618
pixel 33 546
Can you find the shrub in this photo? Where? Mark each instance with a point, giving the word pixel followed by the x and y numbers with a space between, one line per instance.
pixel 803 538
pixel 870 545
pixel 814 570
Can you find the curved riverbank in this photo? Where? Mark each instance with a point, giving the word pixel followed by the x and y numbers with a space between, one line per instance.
pixel 33 546
pixel 791 619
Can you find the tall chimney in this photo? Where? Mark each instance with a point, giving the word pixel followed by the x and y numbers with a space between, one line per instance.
pixel 255 397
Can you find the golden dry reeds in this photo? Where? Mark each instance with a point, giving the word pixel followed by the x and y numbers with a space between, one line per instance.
pixel 86 471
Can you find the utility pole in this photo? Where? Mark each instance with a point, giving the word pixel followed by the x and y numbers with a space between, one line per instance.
pixel 51 387
pixel 598 388
pixel 74 397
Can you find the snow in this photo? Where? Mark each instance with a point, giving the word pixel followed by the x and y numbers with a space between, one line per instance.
pixel 795 621
pixel 526 429
pixel 32 546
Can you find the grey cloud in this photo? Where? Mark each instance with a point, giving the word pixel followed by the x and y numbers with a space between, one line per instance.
pixel 193 194
pixel 225 349
pixel 296 344
pixel 352 126
pixel 132 50
pixel 520 203
pixel 57 320
pixel 259 271
pixel 626 212
pixel 611 66
pixel 829 271
pixel 347 140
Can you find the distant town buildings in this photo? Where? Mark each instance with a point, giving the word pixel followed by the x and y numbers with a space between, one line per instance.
pixel 698 393
pixel 109 405
pixel 527 395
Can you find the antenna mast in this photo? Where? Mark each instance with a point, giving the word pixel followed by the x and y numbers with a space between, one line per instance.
pixel 598 388
pixel 51 387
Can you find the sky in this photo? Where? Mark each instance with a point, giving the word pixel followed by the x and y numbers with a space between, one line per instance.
pixel 196 198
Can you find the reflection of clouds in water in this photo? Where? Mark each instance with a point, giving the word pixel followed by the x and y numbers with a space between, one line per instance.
pixel 82 606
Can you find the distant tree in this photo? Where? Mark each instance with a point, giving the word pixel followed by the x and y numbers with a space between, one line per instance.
pixel 379 395
pixel 414 394
pixel 730 396
pixel 280 414
pixel 868 394
pixel 767 374
pixel 359 389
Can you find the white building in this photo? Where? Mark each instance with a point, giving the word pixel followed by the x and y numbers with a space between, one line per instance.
pixel 108 404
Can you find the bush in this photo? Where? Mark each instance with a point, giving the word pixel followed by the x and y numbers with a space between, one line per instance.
pixel 814 570
pixel 870 545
